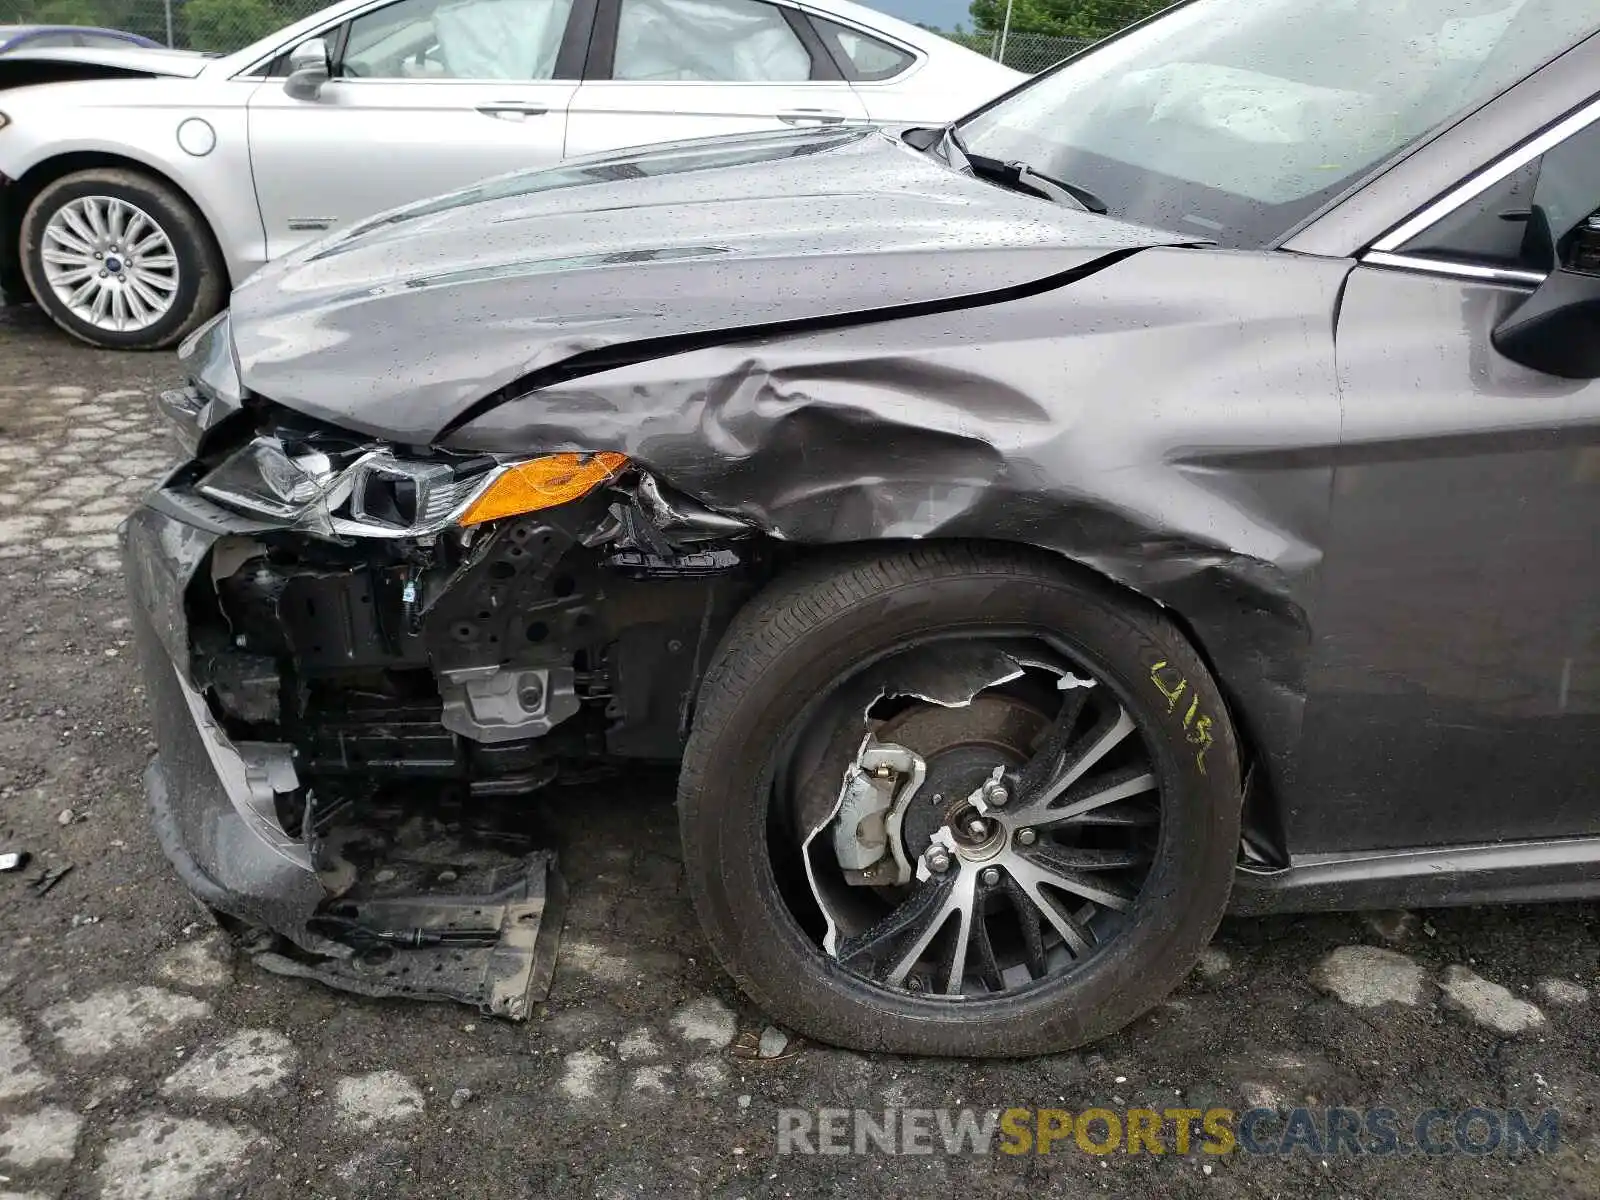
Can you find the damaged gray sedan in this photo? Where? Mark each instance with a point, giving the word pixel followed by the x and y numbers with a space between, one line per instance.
pixel 1172 484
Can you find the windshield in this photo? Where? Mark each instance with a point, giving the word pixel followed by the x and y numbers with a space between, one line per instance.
pixel 1235 120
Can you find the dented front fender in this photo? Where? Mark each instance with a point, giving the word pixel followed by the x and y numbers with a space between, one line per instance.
pixel 1177 439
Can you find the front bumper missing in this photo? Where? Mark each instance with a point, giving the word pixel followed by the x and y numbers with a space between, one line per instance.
pixel 488 937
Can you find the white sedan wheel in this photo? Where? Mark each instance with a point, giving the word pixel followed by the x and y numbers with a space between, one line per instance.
pixel 109 263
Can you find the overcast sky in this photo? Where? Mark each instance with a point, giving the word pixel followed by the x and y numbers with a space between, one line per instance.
pixel 946 14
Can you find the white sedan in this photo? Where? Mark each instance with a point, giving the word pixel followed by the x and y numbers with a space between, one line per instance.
pixel 139 186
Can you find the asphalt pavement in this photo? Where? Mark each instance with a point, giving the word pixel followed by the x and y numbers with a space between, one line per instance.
pixel 142 1059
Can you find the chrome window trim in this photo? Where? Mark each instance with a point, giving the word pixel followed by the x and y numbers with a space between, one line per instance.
pixel 256 71
pixel 918 55
pixel 1487 178
pixel 1452 270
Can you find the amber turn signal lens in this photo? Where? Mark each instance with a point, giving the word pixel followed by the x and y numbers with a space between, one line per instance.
pixel 543 483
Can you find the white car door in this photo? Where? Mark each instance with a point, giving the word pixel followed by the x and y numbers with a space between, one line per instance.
pixel 663 70
pixel 425 96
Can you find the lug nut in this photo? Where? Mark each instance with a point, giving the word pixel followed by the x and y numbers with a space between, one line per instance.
pixel 991 876
pixel 938 861
pixel 1027 837
pixel 995 793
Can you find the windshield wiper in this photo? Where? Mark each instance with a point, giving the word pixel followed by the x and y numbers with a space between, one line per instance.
pixel 1020 177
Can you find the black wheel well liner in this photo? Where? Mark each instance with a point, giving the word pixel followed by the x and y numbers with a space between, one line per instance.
pixel 1263 818
pixel 14 201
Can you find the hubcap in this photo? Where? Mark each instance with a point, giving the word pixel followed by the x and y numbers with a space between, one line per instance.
pixel 1032 827
pixel 109 263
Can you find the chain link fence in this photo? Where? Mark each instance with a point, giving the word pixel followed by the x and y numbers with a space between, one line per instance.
pixel 1029 52
pixel 214 25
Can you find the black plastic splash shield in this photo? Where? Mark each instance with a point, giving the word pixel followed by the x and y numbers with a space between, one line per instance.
pixel 495 950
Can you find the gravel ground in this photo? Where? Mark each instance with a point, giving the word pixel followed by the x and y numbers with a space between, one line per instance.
pixel 138 1059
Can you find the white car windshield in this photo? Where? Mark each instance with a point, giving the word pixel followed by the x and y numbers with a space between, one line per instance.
pixel 1233 121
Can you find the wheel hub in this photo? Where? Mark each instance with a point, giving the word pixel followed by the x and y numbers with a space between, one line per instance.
pixel 961 748
pixel 1026 859
pixel 977 838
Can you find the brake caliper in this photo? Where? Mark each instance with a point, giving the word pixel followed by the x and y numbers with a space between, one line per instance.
pixel 878 787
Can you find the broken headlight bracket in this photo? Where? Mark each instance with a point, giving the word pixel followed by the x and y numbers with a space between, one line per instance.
pixel 463 568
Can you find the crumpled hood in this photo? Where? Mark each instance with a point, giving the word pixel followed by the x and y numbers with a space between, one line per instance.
pixel 398 325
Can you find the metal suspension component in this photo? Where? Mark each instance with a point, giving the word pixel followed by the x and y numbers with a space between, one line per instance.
pixel 1001 893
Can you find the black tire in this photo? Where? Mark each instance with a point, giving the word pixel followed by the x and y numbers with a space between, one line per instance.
pixel 805 632
pixel 202 283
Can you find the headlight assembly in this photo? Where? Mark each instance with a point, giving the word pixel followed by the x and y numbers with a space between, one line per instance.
pixel 370 491
pixel 542 483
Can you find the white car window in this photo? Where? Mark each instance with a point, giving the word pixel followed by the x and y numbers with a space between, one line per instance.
pixel 873 60
pixel 710 40
pixel 457 39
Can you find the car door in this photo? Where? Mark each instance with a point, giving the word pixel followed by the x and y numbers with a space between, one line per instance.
pixel 424 96
pixel 1455 696
pixel 664 70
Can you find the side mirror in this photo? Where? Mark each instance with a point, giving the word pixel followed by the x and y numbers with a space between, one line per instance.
pixel 1557 329
pixel 308 69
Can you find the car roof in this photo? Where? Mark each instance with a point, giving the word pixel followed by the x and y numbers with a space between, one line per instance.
pixel 18 30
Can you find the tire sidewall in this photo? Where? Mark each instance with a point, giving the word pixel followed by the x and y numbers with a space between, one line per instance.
pixel 1177 909
pixel 197 259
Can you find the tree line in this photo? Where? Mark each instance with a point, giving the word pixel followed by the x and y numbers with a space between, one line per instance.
pixel 196 24
pixel 1083 20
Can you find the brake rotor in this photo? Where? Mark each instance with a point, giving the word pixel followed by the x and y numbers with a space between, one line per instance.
pixel 961 747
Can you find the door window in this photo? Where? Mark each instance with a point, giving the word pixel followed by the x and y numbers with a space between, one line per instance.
pixel 457 39
pixel 868 59
pixel 708 41
pixel 1536 216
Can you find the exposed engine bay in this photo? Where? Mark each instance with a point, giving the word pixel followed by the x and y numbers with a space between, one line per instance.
pixel 398 683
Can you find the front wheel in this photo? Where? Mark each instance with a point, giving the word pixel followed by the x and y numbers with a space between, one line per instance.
pixel 957 801
pixel 121 259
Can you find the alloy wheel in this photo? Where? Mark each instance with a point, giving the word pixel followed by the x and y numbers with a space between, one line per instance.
pixel 110 263
pixel 981 844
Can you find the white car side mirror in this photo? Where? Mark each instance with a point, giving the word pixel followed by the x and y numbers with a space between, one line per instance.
pixel 308 69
